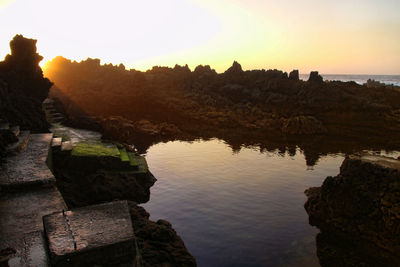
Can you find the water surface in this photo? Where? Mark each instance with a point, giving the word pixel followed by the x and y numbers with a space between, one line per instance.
pixel 237 209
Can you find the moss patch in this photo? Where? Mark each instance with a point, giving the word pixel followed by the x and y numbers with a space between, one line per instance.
pixel 124 155
pixel 132 159
pixel 95 150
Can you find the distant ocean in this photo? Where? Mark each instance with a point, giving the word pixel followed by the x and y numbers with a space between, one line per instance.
pixel 360 79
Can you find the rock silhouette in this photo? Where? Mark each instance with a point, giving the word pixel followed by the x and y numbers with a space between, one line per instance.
pixel 23 87
pixel 254 104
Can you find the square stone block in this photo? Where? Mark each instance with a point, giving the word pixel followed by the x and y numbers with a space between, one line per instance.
pixel 98 234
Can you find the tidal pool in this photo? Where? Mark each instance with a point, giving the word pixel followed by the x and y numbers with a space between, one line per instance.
pixel 237 208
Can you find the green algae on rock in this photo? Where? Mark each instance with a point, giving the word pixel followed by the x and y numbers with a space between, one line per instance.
pixel 95 150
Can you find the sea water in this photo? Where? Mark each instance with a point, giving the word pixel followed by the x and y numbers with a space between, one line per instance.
pixel 242 208
pixel 360 79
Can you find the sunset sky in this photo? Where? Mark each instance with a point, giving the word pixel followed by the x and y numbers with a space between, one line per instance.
pixel 332 36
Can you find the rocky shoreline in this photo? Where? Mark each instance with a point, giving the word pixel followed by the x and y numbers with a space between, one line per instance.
pixel 166 103
pixel 81 180
pixel 358 213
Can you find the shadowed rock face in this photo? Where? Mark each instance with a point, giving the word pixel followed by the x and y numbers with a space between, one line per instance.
pixel 85 180
pixel 360 206
pixel 255 104
pixel 22 86
pixel 158 243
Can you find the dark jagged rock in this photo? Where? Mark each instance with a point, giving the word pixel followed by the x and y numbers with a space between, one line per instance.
pixel 361 206
pixel 303 125
pixel 22 86
pixel 315 77
pixel 206 104
pixel 158 243
pixel 236 68
pixel 88 180
pixel 294 75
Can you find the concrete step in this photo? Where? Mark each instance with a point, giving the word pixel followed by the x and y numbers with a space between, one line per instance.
pixel 28 168
pixel 98 234
pixel 66 146
pixel 17 147
pixel 56 142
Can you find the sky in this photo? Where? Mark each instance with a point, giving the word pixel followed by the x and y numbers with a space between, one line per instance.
pixel 331 36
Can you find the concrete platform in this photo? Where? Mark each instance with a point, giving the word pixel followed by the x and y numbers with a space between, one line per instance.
pixel 22 212
pixel 98 234
pixel 28 168
pixel 21 226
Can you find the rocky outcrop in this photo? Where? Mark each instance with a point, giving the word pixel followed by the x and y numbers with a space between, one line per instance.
pixel 302 125
pixel 158 243
pixel 88 180
pixel 122 129
pixel 22 86
pixel 236 68
pixel 360 206
pixel 371 83
pixel 294 75
pixel 315 77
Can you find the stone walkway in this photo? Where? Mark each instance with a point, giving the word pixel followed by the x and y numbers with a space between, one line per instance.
pixel 28 168
pixel 28 192
pixel 35 222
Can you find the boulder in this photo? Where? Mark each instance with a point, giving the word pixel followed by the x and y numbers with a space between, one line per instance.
pixel 361 205
pixel 157 242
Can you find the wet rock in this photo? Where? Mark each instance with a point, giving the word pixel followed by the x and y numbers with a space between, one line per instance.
pixel 315 77
pixel 302 125
pixel 361 204
pixel 158 243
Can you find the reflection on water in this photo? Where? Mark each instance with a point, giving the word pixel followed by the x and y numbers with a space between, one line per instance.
pixel 237 209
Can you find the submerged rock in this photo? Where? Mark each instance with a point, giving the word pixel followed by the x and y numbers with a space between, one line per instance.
pixel 362 206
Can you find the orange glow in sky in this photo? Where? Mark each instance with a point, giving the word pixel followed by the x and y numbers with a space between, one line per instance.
pixel 341 36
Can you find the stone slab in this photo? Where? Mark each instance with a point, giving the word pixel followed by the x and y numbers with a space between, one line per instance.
pixel 56 141
pixel 30 250
pixel 91 235
pixel 21 212
pixel 382 161
pixel 28 168
pixel 66 146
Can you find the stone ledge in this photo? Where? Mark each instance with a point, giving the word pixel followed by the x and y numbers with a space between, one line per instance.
pixel 95 234
pixel 382 161
pixel 28 168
